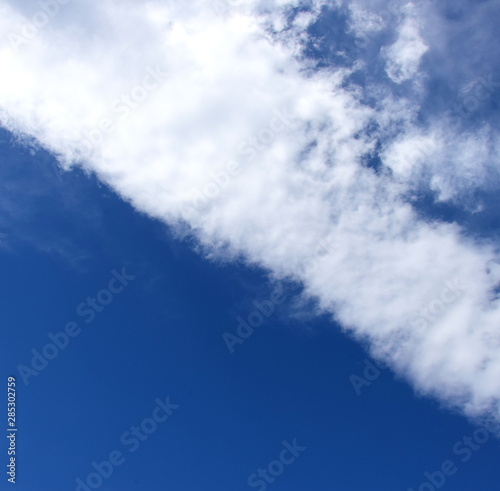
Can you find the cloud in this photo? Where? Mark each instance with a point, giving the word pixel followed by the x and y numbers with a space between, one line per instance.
pixel 404 55
pixel 175 106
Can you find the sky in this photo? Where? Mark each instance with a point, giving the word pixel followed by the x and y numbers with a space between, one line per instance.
pixel 251 244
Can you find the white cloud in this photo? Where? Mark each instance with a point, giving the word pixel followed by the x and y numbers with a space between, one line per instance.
pixel 221 80
pixel 405 54
pixel 452 165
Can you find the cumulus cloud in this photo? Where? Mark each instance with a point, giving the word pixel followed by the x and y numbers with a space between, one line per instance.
pixel 214 118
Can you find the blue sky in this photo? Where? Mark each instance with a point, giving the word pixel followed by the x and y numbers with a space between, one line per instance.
pixel 254 246
pixel 162 336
